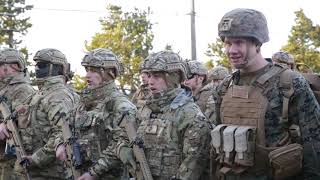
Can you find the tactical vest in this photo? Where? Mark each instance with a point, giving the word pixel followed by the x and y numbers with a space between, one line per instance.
pixel 314 82
pixel 240 140
pixel 161 143
pixel 94 128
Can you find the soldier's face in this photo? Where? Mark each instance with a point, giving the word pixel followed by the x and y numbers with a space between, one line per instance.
pixel 194 83
pixel 144 78
pixel 93 77
pixel 156 82
pixel 8 70
pixel 240 51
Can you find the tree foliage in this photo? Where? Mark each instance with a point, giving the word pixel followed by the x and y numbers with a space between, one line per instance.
pixel 217 54
pixel 12 21
pixel 304 41
pixel 129 36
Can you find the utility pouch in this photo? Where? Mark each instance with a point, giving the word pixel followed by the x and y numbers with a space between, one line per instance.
pixel 245 145
pixel 216 137
pixel 286 161
pixel 228 144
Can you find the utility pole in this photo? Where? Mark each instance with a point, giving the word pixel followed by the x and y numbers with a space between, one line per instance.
pixel 193 33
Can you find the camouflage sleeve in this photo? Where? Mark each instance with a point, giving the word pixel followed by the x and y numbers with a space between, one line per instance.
pixel 304 110
pixel 110 156
pixel 195 133
pixel 56 104
pixel 24 92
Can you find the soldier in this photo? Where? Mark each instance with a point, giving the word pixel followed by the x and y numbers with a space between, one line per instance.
pixel 283 58
pixel 97 117
pixel 172 126
pixel 216 75
pixel 196 82
pixel 140 96
pixel 269 117
pixel 41 134
pixel 17 89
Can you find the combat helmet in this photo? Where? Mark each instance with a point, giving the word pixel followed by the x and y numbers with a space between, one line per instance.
pixel 53 56
pixel 218 73
pixel 244 23
pixel 10 55
pixel 196 68
pixel 283 57
pixel 165 61
pixel 102 58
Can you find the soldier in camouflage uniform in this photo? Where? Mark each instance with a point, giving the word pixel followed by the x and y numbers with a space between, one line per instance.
pixel 283 58
pixel 196 82
pixel 17 89
pixel 215 76
pixel 269 118
pixel 97 117
pixel 172 126
pixel 40 133
pixel 140 96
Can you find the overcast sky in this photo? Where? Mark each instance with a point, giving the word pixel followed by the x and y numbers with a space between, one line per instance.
pixel 67 24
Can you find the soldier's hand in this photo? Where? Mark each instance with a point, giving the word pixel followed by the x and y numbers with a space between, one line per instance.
pixel 86 176
pixel 126 156
pixel 61 152
pixel 4 134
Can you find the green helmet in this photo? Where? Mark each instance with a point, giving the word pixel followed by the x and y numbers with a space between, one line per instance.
pixel 196 67
pixel 9 56
pixel 218 73
pixel 102 58
pixel 283 57
pixel 53 56
pixel 244 23
pixel 165 61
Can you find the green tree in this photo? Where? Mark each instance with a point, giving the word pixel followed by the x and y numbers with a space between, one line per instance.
pixel 129 36
pixel 304 41
pixel 216 54
pixel 12 23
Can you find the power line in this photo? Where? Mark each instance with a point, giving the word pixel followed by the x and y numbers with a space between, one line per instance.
pixel 69 10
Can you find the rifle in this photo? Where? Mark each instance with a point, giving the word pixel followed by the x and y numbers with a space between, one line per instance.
pixel 74 159
pixel 15 140
pixel 137 147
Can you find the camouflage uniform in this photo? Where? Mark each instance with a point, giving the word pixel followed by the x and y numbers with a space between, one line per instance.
pixel 172 126
pixel 202 94
pixel 17 89
pixel 97 119
pixel 269 118
pixel 216 74
pixel 40 134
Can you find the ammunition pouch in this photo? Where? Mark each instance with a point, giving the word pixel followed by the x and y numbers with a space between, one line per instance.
pixel 286 161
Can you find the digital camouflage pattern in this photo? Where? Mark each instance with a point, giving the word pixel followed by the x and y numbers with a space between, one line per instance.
pixel 17 90
pixel 196 67
pixel 175 133
pixel 41 134
pixel 244 23
pixel 303 111
pixel 97 127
